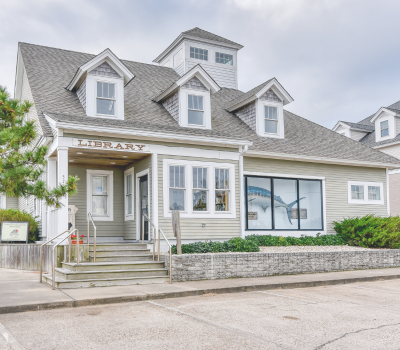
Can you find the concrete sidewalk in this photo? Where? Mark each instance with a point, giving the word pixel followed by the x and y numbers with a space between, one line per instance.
pixel 21 291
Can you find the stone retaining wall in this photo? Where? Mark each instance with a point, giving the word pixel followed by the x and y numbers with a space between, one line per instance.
pixel 191 267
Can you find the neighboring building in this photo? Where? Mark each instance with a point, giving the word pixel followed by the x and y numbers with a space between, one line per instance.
pixel 180 135
pixel 380 131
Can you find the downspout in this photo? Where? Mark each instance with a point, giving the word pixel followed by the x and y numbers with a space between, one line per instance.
pixel 242 207
pixel 387 192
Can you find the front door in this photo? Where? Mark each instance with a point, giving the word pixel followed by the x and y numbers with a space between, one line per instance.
pixel 144 205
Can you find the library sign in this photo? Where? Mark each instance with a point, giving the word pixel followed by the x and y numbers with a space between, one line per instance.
pixel 110 145
pixel 14 231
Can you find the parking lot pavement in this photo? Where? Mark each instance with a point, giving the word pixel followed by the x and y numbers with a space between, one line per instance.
pixel 354 316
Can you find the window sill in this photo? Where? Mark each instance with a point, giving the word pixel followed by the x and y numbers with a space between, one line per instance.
pixel 102 218
pixel 378 202
pixel 200 215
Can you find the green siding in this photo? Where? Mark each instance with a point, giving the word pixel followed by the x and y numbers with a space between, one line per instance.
pixel 191 228
pixel 336 182
pixel 104 228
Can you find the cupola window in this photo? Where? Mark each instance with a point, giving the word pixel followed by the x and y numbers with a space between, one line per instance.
pixel 224 58
pixel 385 128
pixel 195 110
pixel 105 98
pixel 271 119
pixel 199 54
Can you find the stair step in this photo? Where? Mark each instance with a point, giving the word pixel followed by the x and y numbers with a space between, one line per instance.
pixel 119 246
pixel 65 284
pixel 105 252
pixel 83 275
pixel 122 258
pixel 100 266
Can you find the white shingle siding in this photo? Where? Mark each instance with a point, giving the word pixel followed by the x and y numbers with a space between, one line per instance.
pixel 81 92
pixel 224 77
pixel 172 106
pixel 195 84
pixel 104 70
pixel 270 96
pixel 248 115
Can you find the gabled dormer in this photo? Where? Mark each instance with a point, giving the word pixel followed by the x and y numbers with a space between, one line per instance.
pixel 188 100
pixel 262 108
pixel 355 131
pixel 217 55
pixel 387 124
pixel 99 85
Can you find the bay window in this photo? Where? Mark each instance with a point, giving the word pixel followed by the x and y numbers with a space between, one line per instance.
pixel 177 188
pixel 274 203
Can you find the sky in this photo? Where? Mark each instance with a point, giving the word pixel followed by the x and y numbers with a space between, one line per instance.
pixel 337 58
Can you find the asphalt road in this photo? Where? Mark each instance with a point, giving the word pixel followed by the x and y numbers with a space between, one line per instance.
pixel 354 316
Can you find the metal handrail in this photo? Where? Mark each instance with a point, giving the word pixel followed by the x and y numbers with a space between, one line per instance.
pixel 94 236
pixel 54 256
pixel 170 253
pixel 144 216
pixel 41 253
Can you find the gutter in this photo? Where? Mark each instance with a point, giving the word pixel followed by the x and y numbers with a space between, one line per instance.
pixel 295 157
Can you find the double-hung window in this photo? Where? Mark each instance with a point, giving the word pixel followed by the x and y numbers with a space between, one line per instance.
pixel 222 190
pixel 224 58
pixel 385 128
pixel 105 101
pixel 365 192
pixel 271 119
pixel 195 110
pixel 100 194
pixel 200 190
pixel 128 186
pixel 199 54
pixel 176 188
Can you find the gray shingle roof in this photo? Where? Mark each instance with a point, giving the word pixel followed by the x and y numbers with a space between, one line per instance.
pixel 203 34
pixel 50 70
pixel 359 126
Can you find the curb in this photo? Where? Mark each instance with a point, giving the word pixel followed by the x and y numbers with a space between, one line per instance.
pixel 239 289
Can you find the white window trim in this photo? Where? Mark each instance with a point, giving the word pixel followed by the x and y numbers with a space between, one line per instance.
pixel 211 166
pixel 138 206
pixel 129 217
pixel 37 206
pixel 365 200
pixel 224 53
pixel 3 201
pixel 110 189
pixel 198 59
pixel 199 110
pixel 184 108
pixel 391 125
pixel 113 116
pixel 260 111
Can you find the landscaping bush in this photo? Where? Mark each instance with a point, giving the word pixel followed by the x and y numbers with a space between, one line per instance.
pixel 271 241
pixel 16 215
pixel 236 244
pixel 370 231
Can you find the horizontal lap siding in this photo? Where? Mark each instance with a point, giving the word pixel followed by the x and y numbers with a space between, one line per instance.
pixel 225 77
pixel 12 203
pixel 191 228
pixel 336 182
pixel 104 228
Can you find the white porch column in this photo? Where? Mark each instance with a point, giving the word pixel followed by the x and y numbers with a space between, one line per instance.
pixel 51 177
pixel 62 178
pixel 154 187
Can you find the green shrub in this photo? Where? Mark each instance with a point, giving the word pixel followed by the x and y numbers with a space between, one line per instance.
pixel 271 241
pixel 236 244
pixel 370 231
pixel 16 215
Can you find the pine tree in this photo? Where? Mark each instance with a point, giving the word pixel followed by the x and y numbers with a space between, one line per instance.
pixel 21 165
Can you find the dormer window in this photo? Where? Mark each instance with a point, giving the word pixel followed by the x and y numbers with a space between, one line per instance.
pixel 195 110
pixel 224 58
pixel 105 100
pixel 271 119
pixel 199 54
pixel 385 128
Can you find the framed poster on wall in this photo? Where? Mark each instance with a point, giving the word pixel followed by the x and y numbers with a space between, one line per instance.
pixel 14 231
